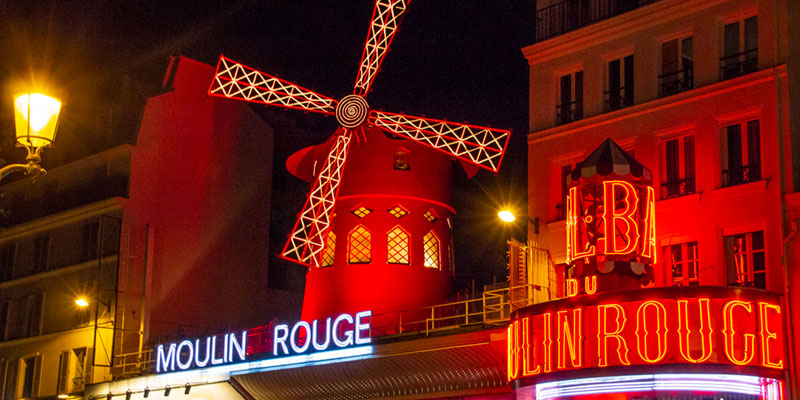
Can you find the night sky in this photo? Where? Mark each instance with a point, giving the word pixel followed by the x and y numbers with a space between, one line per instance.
pixel 452 59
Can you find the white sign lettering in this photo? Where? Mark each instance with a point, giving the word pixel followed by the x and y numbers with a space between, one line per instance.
pixel 345 331
pixel 195 354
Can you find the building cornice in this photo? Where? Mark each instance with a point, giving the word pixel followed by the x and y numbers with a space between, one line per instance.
pixel 52 221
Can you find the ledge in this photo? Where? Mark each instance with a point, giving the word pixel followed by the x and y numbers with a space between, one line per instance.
pixel 740 190
pixel 691 200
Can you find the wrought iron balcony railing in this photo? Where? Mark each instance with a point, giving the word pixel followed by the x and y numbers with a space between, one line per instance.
pixel 738 64
pixel 569 15
pixel 677 188
pixel 569 112
pixel 618 98
pixel 676 82
pixel 740 175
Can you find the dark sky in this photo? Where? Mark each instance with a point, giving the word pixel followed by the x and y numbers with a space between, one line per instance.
pixel 452 59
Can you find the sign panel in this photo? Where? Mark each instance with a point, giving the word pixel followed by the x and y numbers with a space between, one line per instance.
pixel 678 325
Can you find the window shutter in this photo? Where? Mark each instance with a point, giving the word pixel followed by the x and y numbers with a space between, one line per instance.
pixel 63 372
pixel 37 372
pixel 10 389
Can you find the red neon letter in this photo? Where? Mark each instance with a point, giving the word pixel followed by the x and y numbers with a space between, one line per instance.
pixel 548 343
pixel 611 216
pixel 649 239
pixel 570 338
pixel 572 287
pixel 528 347
pixel 603 334
pixel 661 330
pixel 590 284
pixel 767 335
pixel 513 351
pixel 705 330
pixel 574 248
pixel 728 332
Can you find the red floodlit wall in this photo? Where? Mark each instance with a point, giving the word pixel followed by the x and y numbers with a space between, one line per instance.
pixel 371 181
pixel 199 210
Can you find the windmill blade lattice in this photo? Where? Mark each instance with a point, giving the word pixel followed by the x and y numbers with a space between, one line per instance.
pixel 234 80
pixel 479 145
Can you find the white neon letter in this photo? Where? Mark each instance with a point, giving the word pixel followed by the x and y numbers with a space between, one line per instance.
pixel 348 333
pixel 226 356
pixel 165 362
pixel 240 347
pixel 293 337
pixel 188 363
pixel 362 327
pixel 197 361
pixel 279 338
pixel 214 359
pixel 315 335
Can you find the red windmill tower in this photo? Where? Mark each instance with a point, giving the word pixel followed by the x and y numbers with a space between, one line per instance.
pixel 375 228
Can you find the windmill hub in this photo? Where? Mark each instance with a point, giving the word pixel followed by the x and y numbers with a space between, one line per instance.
pixel 352 111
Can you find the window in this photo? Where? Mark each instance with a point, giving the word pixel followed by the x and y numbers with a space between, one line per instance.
pixel 620 84
pixel 330 250
pixel 570 106
pixel 71 371
pixel 3 323
pixel 741 153
pixel 398 211
pixel 91 233
pixel 561 208
pixel 431 250
pixel 680 264
pixel 401 160
pixel 41 249
pixel 431 215
pixel 360 211
pixel 745 258
pixel 7 257
pixel 677 66
pixel 397 241
pixel 359 245
pixel 30 369
pixel 740 48
pixel 32 321
pixel 678 176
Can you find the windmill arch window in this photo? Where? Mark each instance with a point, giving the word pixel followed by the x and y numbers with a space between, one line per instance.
pixel 330 250
pixel 359 245
pixel 431 247
pixel 401 161
pixel 398 249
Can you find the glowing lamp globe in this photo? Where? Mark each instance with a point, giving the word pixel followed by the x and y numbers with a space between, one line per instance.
pixel 506 216
pixel 36 117
pixel 81 302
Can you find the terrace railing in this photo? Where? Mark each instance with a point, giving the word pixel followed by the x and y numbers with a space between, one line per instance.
pixel 569 15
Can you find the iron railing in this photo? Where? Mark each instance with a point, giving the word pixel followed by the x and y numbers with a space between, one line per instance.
pixel 569 15
pixel 566 113
pixel 740 175
pixel 738 64
pixel 676 82
pixel 681 187
pixel 618 98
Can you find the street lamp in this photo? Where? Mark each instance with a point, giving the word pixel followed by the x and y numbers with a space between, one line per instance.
pixel 81 302
pixel 506 216
pixel 35 119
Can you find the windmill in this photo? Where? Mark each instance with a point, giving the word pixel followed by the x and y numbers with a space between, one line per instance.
pixel 474 145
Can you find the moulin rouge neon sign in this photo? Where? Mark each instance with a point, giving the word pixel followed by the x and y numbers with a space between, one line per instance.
pixel 344 331
pixel 670 325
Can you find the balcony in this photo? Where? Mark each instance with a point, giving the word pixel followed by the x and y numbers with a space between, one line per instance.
pixel 618 98
pixel 677 188
pixel 676 82
pixel 566 113
pixel 569 15
pixel 741 175
pixel 738 64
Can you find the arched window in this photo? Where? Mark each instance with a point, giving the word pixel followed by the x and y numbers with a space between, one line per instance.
pixel 359 245
pixel 431 250
pixel 401 160
pixel 397 241
pixel 330 250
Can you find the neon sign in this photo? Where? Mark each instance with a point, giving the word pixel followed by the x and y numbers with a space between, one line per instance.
pixel 345 331
pixel 620 221
pixel 690 325
pixel 188 354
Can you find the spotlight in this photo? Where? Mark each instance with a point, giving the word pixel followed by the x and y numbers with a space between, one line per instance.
pixel 146 392
pixel 128 395
pixel 188 388
pixel 167 389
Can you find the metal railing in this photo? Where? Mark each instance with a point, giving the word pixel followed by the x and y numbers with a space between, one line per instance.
pixel 618 98
pixel 676 82
pixel 566 113
pixel 677 188
pixel 740 175
pixel 569 15
pixel 131 364
pixel 738 64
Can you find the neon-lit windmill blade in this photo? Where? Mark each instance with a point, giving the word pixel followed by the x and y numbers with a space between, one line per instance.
pixel 481 146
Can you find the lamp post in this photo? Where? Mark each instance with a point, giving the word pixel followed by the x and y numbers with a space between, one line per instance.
pixel 35 119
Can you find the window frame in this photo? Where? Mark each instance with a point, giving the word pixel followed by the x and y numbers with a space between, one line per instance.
pixel 575 104
pixel 438 249
pixel 743 173
pixel 350 245
pixel 732 269
pixel 684 74
pixel 389 248
pixel 686 262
